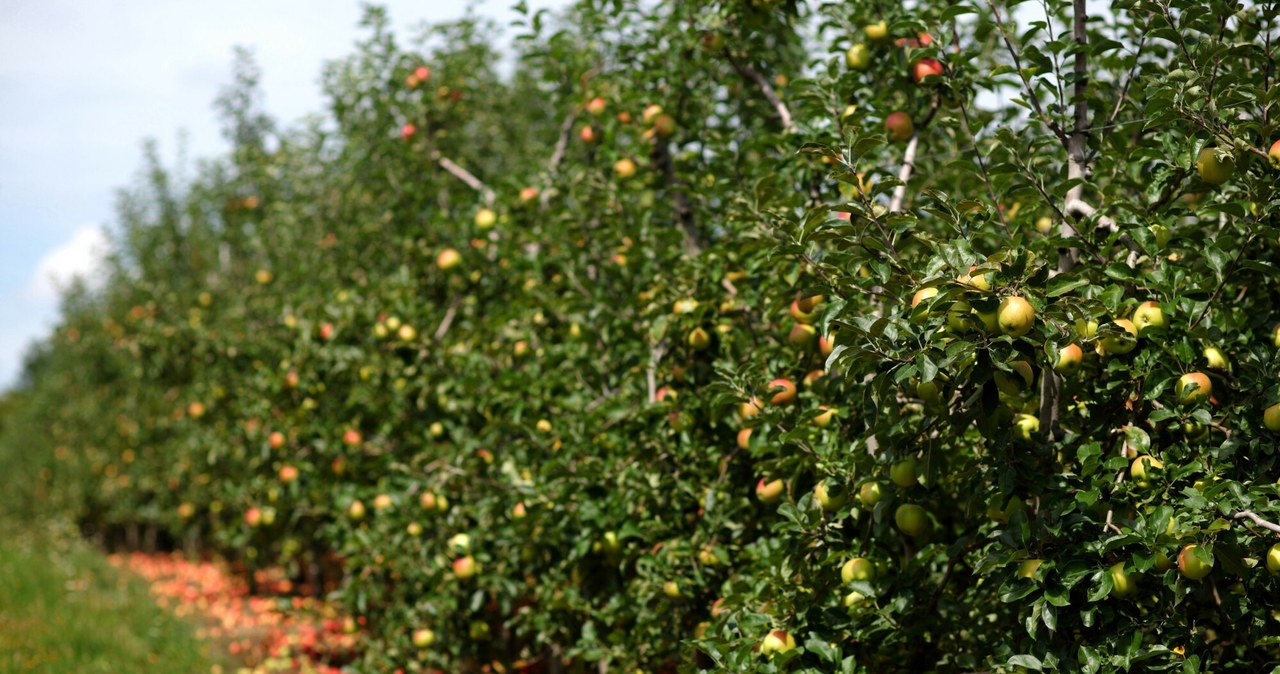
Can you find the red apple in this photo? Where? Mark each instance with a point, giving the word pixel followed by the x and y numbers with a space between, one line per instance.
pixel 288 474
pixel 352 437
pixel 407 131
pixel 925 68
pixel 899 125
pixel 784 397
pixel 275 440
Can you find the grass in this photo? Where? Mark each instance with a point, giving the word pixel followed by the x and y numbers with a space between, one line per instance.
pixel 64 609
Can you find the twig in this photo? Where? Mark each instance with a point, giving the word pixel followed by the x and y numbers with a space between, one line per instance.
pixel 466 177
pixel 566 132
pixel 909 162
pixel 446 321
pixel 692 238
pixel 1026 82
pixel 1250 515
pixel 784 114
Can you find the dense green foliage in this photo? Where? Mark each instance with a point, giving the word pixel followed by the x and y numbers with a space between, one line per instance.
pixel 570 394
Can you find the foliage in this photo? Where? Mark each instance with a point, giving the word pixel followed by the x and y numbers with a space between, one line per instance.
pixel 571 393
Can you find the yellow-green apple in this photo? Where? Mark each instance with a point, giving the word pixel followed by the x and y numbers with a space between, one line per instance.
pixel 877 31
pixel 1025 426
pixel 858 57
pixel 423 638
pixel 1213 170
pixel 824 417
pixel 1016 316
pixel 624 168
pixel 869 494
pixel 802 335
pixel 976 281
pixel 1023 378
pixel 1271 418
pixel 899 126
pixel 1191 566
pixel 1028 567
pixel 356 510
pixel 1119 343
pixel 1122 584
pixel 1193 387
pixel 777 641
pixel 959 316
pixel 486 218
pixel 1214 357
pixel 414 529
pixel 1140 470
pixel 672 589
pixel 381 502
pixel 1148 315
pixel 930 393
pixel 854 599
pixel 858 568
pixel 769 492
pixel 407 333
pixel 1069 359
pixel 750 408
pixel 707 557
pixel 1275 336
pixel 786 395
pixel 903 473
pixel 912 519
pixel 1273 554
pixel 465 567
pixel 699 339
pixel 744 438
pixel 922 295
pixel 825 499
pixel 1002 514
pixel 459 544
pixel 1086 328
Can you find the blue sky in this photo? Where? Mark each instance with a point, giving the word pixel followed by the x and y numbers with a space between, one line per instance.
pixel 82 83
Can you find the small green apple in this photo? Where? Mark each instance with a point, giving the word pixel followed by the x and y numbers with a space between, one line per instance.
pixel 858 568
pixel 1148 315
pixel 858 57
pixel 1122 584
pixel 869 494
pixel 912 519
pixel 1140 470
pixel 903 473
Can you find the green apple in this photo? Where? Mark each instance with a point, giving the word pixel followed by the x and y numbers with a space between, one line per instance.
pixel 1148 315
pixel 824 417
pixel 460 544
pixel 1214 357
pixel 1271 418
pixel 777 641
pixel 1213 170
pixel 1025 426
pixel 698 339
pixel 825 499
pixel 1275 336
pixel 1122 584
pixel 959 316
pixel 1193 387
pixel 1023 378
pixel 930 393
pixel 1002 514
pixel 1273 559
pixel 1028 567
pixel 858 568
pixel 1121 343
pixel 1191 566
pixel 1140 470
pixel 356 510
pixel 869 494
pixel 486 218
pixel 912 520
pixel 1016 316
pixel 854 599
pixel 903 473
pixel 877 31
pixel 858 57
pixel 672 589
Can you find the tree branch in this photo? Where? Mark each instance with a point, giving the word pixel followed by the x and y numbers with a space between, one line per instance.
pixel 662 158
pixel 909 160
pixel 1250 515
pixel 1026 82
pixel 745 69
pixel 465 176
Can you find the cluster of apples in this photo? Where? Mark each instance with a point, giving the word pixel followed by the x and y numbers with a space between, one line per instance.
pixel 898 124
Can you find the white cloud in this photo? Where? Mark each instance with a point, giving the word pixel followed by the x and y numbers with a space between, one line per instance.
pixel 81 256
